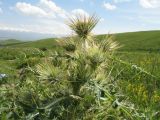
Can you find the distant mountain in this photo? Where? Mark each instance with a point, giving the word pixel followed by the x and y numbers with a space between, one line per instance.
pixel 25 36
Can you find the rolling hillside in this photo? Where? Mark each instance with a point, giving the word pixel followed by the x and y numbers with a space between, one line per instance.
pixel 48 43
pixel 138 41
pixel 131 41
pixel 9 42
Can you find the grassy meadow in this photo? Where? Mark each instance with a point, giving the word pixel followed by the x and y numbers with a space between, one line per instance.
pixel 37 87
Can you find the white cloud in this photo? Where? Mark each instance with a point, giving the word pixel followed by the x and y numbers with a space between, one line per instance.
pixel 14 29
pixel 150 3
pixel 109 6
pixel 41 26
pixel 79 12
pixel 7 27
pixel 50 4
pixel 51 7
pixel 29 9
pixel 49 27
pixel 46 10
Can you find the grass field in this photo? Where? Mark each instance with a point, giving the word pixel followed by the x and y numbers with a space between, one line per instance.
pixel 138 69
pixel 141 48
pixel 132 41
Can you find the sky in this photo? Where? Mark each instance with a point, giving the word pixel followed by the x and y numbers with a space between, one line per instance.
pixel 50 16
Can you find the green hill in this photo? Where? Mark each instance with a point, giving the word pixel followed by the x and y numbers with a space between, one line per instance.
pixel 131 41
pixel 138 41
pixel 135 41
pixel 47 43
pixel 9 42
pixel 148 40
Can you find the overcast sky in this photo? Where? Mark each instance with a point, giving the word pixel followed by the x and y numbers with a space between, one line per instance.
pixel 49 16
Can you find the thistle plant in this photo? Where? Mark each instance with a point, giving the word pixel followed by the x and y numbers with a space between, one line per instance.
pixel 82 25
pixel 76 84
pixel 79 83
pixel 81 78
